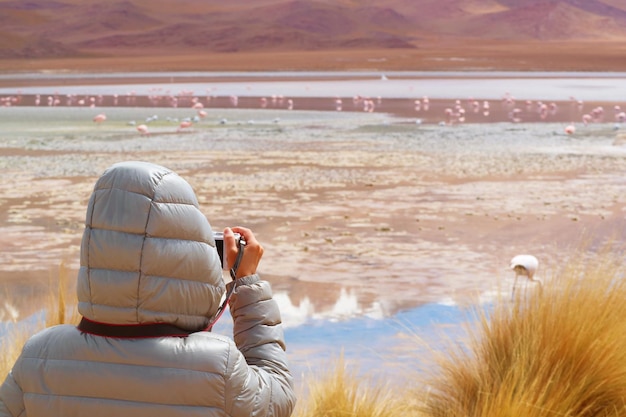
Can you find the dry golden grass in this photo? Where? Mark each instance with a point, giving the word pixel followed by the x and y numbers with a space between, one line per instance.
pixel 11 344
pixel 559 352
pixel 342 393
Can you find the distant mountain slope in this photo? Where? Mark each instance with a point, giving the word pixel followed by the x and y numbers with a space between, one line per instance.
pixel 65 28
pixel 544 21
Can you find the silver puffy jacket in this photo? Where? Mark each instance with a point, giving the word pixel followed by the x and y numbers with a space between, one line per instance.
pixel 148 256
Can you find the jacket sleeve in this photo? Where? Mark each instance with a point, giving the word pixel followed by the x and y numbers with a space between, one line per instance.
pixel 11 398
pixel 259 382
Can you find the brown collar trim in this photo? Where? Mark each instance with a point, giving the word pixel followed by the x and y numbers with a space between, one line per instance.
pixel 131 331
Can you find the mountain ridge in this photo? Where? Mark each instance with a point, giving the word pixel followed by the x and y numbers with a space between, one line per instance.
pixel 66 29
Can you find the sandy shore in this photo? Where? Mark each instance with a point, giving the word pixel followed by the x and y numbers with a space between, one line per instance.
pixel 398 213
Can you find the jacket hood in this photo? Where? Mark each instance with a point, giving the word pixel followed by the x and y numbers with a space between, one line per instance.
pixel 147 252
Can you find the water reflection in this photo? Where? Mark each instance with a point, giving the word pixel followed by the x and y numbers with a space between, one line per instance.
pixel 373 343
pixel 376 344
pixel 346 307
pixel 394 348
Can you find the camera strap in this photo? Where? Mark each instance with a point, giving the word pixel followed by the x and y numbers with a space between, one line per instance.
pixel 231 290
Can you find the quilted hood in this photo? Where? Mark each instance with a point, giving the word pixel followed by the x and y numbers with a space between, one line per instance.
pixel 147 252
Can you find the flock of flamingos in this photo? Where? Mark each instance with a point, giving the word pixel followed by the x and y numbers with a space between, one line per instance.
pixel 441 112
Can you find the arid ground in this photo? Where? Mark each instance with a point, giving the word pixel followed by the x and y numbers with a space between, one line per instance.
pixel 452 55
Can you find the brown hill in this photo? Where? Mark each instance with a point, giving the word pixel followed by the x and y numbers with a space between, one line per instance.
pixel 35 29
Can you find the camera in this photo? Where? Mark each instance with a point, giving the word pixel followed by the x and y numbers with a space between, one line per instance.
pixel 219 245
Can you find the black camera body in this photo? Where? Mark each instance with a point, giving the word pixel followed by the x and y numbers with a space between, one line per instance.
pixel 219 245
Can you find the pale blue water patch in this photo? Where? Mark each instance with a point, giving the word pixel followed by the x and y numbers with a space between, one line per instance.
pixel 387 348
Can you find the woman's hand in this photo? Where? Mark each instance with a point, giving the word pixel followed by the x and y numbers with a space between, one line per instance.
pixel 252 253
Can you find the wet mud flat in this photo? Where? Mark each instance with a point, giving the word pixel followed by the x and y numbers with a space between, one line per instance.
pixel 398 213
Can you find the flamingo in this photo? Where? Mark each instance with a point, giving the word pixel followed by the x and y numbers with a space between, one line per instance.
pixel 485 108
pixel 338 104
pixel 143 129
pixel 99 118
pixel 570 129
pixel 514 115
pixel 525 265
pixel 185 124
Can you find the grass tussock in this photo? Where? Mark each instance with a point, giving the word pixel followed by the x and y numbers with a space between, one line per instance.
pixel 343 393
pixel 557 352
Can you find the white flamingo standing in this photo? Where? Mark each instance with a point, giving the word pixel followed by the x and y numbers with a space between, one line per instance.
pixel 525 265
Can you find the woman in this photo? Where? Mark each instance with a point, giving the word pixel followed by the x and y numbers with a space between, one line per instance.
pixel 149 287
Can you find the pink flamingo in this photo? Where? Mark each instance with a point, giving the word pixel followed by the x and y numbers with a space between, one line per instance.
pixel 448 115
pixel 514 115
pixel 553 108
pixel 485 108
pixel 543 110
pixel 99 118
pixel 597 114
pixel 570 129
pixel 185 124
pixel 143 130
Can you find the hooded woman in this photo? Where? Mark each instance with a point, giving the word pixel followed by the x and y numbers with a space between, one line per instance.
pixel 149 286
